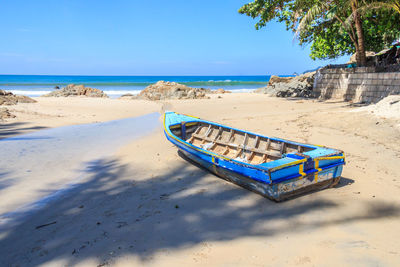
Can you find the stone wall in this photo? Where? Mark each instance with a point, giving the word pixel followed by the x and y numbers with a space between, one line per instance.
pixel 365 84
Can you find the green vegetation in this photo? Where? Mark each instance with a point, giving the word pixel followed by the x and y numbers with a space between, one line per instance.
pixel 391 4
pixel 333 28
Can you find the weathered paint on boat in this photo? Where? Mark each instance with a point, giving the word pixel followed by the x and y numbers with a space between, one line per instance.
pixel 292 174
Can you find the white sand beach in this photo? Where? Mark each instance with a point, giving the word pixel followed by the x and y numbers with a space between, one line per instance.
pixel 143 204
pixel 130 130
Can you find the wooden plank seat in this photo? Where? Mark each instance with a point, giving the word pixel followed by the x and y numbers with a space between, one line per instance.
pixel 239 147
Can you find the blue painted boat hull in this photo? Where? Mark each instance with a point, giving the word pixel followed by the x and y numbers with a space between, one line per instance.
pixel 270 180
pixel 278 192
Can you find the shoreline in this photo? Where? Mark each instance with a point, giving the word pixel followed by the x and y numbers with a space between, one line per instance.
pixel 116 93
pixel 57 112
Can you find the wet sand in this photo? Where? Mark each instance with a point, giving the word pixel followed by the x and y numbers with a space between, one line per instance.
pixel 145 205
pixel 52 112
pixel 38 164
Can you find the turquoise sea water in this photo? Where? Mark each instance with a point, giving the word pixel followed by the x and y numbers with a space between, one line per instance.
pixel 36 85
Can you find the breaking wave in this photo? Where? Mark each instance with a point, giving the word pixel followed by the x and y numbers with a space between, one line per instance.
pixel 142 84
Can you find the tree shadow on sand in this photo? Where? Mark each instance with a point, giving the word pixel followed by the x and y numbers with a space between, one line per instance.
pixel 16 128
pixel 5 181
pixel 107 217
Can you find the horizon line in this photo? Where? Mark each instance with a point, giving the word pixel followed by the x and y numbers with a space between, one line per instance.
pixel 114 75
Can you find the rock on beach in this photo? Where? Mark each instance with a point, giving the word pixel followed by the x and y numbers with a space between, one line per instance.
pixel 218 91
pixel 8 98
pixel 170 90
pixel 298 86
pixel 76 90
pixel 5 114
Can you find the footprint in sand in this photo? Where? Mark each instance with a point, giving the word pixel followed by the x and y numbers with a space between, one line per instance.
pixel 302 260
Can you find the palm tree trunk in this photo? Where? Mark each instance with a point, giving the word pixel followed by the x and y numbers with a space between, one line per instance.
pixel 361 58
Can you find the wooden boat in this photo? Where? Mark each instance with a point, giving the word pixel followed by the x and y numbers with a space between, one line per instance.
pixel 275 168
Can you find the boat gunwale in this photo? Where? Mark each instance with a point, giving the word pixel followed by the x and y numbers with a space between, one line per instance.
pixel 243 131
pixel 285 178
pixel 253 166
pixel 247 165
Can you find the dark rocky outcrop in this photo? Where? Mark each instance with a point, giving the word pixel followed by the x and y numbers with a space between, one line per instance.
pixel 8 98
pixel 127 96
pixel 276 79
pixel 218 91
pixel 76 90
pixel 170 90
pixel 370 55
pixel 298 86
pixel 382 59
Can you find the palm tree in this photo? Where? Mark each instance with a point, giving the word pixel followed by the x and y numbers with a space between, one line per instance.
pixel 334 10
pixel 361 58
pixel 391 4
pixel 355 17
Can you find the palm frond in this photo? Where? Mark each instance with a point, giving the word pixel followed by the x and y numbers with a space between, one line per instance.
pixel 310 16
pixel 368 7
pixel 396 6
pixel 380 5
pixel 348 22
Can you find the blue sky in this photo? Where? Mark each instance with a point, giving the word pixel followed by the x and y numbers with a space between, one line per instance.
pixel 151 37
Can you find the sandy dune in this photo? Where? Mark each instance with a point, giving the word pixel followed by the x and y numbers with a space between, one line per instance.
pixel 146 205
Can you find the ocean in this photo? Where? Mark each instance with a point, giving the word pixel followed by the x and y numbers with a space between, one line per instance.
pixel 114 86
